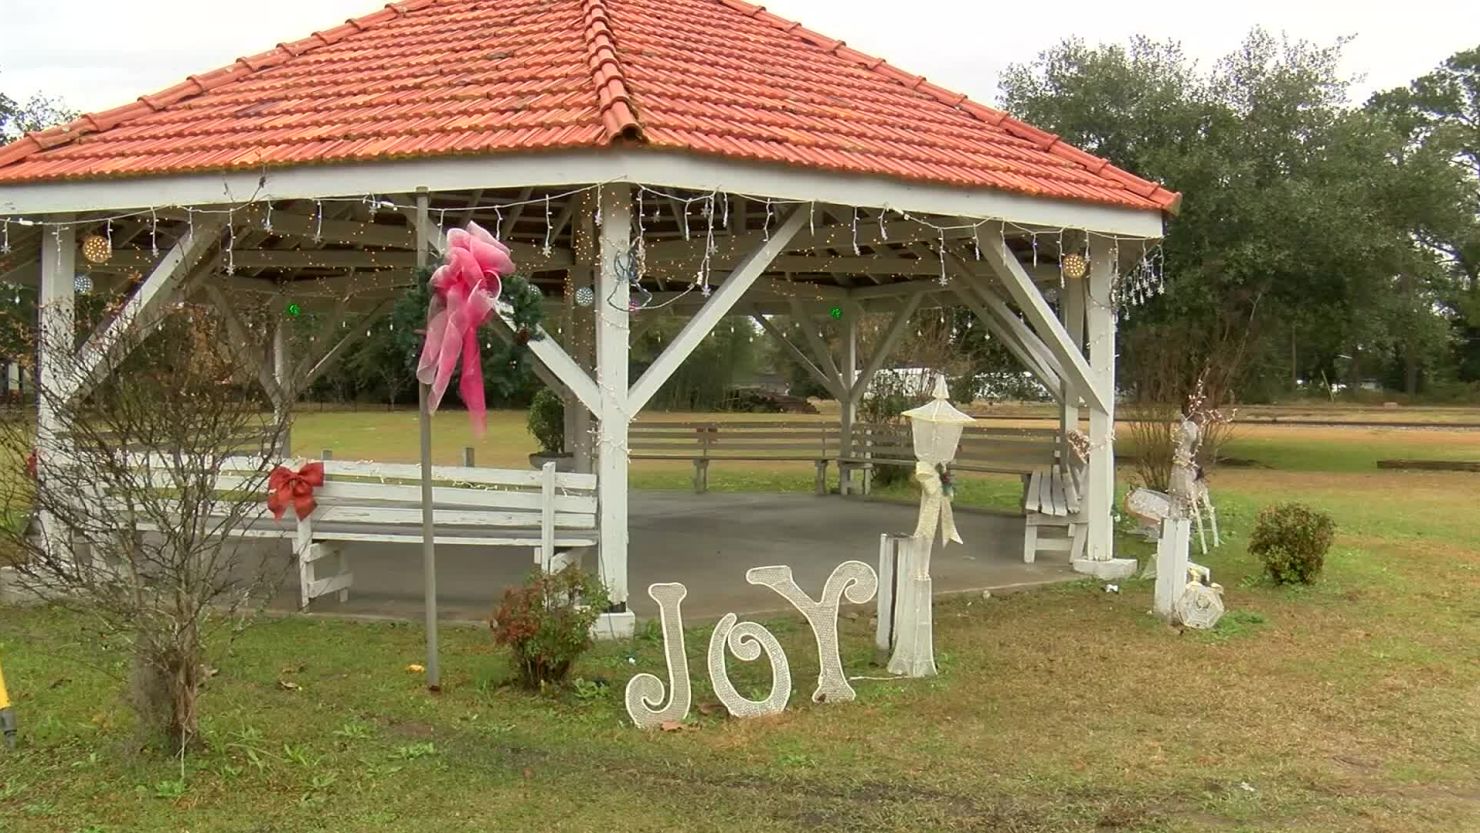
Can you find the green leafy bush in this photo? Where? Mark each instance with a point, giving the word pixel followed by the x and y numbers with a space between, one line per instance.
pixel 1292 539
pixel 547 621
pixel 547 421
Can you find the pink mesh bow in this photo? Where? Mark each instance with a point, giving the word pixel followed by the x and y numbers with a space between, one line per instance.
pixel 464 291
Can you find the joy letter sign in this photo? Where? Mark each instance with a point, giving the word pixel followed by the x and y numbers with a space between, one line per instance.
pixel 748 640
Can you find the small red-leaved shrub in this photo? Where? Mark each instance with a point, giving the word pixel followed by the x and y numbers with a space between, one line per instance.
pixel 546 623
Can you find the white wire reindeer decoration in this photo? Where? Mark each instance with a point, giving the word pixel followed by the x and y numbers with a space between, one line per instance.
pixel 1202 503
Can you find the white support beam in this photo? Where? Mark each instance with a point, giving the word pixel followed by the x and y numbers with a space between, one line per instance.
pixel 505 331
pixel 612 354
pixel 549 352
pixel 311 368
pixel 1074 369
pixel 1013 341
pixel 900 289
pixel 282 374
pixel 848 407
pixel 993 307
pixel 820 351
pixel 146 304
pixel 717 307
pixel 57 324
pixel 525 256
pixel 249 349
pixel 830 383
pixel 576 168
pixel 1100 333
pixel 1071 310
pixel 886 345
pixel 323 229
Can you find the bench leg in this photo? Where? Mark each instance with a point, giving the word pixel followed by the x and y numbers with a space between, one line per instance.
pixel 343 571
pixel 821 477
pixel 1079 536
pixel 868 480
pixel 1030 541
pixel 305 579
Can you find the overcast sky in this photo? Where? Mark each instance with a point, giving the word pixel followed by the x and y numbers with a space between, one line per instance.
pixel 93 57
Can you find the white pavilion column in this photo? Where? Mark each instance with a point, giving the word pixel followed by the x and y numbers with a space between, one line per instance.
pixel 282 373
pixel 1100 326
pixel 848 404
pixel 612 348
pixel 580 329
pixel 56 352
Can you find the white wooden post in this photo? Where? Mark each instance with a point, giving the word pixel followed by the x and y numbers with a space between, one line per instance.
pixel 1100 321
pixel 1171 563
pixel 914 625
pixel 848 406
pixel 580 330
pixel 56 352
pixel 547 517
pixel 282 374
pixel 890 547
pixel 612 349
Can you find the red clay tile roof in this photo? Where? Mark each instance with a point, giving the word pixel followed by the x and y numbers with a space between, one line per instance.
pixel 441 77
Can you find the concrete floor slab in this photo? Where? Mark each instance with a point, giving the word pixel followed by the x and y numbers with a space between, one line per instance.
pixel 706 542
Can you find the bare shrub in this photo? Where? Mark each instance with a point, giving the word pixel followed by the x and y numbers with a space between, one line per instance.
pixel 114 505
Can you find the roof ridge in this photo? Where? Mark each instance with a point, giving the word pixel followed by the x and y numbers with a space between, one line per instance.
pixel 194 85
pixel 618 115
pixel 1168 200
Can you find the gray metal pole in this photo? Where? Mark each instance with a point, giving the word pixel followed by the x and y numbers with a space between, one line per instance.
pixel 428 522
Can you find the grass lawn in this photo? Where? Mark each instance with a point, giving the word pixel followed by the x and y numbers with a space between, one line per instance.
pixel 1350 705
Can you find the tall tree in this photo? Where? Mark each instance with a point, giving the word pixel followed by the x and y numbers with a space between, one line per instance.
pixel 1284 256
pixel 36 113
pixel 1439 117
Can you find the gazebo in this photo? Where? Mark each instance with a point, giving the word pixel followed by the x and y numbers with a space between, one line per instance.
pixel 698 155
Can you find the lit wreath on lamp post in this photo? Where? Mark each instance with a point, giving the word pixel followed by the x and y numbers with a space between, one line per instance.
pixel 936 428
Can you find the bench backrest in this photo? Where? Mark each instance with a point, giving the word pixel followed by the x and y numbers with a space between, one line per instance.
pixel 983 447
pixel 733 440
pixel 389 494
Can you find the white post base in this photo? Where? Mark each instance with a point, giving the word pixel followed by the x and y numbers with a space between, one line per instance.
pixel 1171 565
pixel 610 627
pixel 914 620
pixel 1110 570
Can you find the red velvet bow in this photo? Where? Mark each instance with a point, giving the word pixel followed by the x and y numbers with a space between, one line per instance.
pixel 464 291
pixel 286 487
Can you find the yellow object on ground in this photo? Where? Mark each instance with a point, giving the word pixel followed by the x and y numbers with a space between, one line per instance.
pixel 4 696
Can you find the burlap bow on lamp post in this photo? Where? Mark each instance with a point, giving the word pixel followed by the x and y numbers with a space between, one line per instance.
pixel 936 428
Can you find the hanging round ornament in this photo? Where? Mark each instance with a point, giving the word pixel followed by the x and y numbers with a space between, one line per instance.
pixel 585 296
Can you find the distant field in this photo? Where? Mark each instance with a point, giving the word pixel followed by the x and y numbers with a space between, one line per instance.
pixel 392 436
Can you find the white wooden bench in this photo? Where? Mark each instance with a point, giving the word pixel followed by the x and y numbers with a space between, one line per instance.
pixel 1051 489
pixel 1053 498
pixel 705 442
pixel 546 510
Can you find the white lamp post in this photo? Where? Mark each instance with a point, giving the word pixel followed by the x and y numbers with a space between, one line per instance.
pixel 937 427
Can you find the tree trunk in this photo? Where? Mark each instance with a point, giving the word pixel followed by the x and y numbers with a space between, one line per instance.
pixel 1410 369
